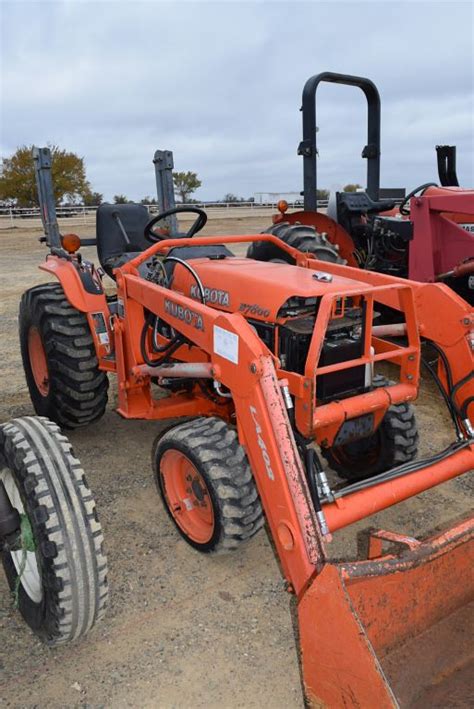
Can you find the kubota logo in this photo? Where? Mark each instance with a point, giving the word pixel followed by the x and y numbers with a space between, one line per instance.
pixel 261 443
pixel 188 316
pixel 212 295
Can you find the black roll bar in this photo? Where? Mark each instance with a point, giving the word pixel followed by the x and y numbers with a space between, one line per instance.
pixel 446 155
pixel 307 147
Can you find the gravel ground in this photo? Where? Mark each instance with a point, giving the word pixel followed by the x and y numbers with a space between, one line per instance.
pixel 182 630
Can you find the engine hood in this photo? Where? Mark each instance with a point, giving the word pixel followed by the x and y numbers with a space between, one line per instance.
pixel 255 288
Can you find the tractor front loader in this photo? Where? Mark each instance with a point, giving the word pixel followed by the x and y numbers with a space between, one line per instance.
pixel 274 366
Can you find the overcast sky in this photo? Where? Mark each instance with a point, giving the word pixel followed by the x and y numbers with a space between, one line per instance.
pixel 220 83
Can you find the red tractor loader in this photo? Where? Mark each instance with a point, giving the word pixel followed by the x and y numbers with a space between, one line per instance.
pixel 272 366
pixel 429 237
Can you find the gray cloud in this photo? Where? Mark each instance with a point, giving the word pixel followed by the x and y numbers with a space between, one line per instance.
pixel 220 84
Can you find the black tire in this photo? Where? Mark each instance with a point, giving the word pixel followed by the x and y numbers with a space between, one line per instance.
pixel 213 449
pixel 394 442
pixel 76 389
pixel 300 236
pixel 63 590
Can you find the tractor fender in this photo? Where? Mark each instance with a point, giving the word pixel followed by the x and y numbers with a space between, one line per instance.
pixel 336 234
pixel 77 286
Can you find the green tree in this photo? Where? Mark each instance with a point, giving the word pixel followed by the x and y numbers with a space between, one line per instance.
pixel 322 194
pixel 352 188
pixel 185 183
pixel 148 200
pixel 18 183
pixel 120 199
pixel 93 199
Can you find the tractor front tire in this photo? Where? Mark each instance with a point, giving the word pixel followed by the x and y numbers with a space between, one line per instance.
pixel 300 236
pixel 58 570
pixel 59 359
pixel 206 485
pixel 394 443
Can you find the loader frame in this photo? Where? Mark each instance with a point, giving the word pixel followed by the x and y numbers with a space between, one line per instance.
pixel 347 611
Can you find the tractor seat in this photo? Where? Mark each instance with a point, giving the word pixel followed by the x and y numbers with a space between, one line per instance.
pixel 112 247
pixel 360 203
pixel 114 251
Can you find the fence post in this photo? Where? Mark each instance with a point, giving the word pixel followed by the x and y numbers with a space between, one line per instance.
pixel 11 217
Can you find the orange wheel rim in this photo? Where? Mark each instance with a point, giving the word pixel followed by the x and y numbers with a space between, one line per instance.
pixel 39 365
pixel 187 496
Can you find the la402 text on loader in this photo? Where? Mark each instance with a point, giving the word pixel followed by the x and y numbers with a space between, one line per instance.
pixel 272 365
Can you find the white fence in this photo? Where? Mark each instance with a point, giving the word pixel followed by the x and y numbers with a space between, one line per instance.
pixel 17 217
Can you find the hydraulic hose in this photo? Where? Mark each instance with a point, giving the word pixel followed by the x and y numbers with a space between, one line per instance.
pixel 402 470
pixel 167 350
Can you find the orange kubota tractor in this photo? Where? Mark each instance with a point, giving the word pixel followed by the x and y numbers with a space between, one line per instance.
pixel 428 237
pixel 272 365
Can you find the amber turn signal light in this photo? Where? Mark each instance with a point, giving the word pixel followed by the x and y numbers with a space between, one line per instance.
pixel 282 206
pixel 71 243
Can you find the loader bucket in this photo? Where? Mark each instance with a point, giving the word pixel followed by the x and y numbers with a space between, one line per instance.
pixel 393 631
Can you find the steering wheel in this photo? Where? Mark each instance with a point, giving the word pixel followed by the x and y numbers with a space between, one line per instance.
pixel 422 188
pixel 197 225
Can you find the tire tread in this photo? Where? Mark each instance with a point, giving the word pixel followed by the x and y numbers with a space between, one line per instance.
pixel 78 388
pixel 65 523
pixel 225 466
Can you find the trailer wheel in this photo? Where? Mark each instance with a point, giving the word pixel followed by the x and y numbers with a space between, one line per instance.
pixel 59 359
pixel 206 484
pixel 57 569
pixel 393 443
pixel 300 236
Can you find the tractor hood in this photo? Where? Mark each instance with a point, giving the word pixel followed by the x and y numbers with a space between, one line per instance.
pixel 256 288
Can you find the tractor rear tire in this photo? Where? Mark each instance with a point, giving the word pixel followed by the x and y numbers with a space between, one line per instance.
pixel 207 487
pixel 394 443
pixel 299 236
pixel 58 572
pixel 59 359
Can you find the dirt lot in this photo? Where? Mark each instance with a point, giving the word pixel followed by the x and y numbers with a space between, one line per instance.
pixel 182 630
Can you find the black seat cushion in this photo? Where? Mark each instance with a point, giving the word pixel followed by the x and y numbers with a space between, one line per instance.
pixel 112 247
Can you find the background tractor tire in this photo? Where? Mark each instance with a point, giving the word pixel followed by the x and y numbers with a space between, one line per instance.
pixel 300 236
pixel 394 442
pixel 58 573
pixel 59 359
pixel 206 484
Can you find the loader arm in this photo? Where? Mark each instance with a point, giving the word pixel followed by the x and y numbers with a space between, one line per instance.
pixel 342 642
pixel 343 647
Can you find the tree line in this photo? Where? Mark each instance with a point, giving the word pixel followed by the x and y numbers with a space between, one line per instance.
pixel 71 186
